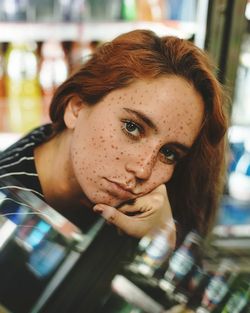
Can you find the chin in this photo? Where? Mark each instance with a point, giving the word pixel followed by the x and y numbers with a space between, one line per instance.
pixel 106 200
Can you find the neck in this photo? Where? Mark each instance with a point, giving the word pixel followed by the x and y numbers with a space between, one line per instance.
pixel 54 168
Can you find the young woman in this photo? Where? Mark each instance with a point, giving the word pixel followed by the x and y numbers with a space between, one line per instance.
pixel 137 136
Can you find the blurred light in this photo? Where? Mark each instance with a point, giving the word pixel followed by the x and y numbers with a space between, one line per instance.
pixel 247 12
pixel 6 231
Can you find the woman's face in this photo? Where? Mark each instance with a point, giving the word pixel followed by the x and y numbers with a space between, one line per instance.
pixel 129 143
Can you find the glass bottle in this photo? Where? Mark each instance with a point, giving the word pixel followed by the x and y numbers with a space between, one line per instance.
pixel 3 113
pixel 53 71
pixel 154 251
pixel 218 286
pixel 15 10
pixel 239 299
pixel 151 10
pixel 181 262
pixel 239 179
pixel 128 10
pixel 191 292
pixel 22 87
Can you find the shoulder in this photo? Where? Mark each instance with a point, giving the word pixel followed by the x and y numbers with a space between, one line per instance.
pixel 27 143
pixel 17 162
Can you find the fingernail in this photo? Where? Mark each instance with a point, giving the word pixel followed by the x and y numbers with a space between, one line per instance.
pixel 106 212
pixel 98 209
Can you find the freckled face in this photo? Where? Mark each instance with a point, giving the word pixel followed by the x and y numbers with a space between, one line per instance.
pixel 129 143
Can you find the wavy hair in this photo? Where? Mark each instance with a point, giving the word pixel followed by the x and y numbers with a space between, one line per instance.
pixel 198 179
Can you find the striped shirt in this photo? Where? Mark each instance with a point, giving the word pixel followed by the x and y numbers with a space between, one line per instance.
pixel 17 162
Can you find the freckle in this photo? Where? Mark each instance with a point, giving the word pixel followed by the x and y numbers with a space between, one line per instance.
pixel 117 158
pixel 121 153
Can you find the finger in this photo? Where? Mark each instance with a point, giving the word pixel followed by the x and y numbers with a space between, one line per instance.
pixel 137 208
pixel 129 208
pixel 130 225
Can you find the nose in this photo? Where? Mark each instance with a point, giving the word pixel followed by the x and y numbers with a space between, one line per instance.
pixel 141 166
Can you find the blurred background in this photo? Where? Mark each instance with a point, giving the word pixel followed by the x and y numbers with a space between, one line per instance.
pixel 41 43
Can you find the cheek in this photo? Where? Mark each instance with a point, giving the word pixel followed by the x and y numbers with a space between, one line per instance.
pixel 160 175
pixel 97 151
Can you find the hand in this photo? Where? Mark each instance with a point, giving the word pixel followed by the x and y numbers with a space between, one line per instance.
pixel 149 212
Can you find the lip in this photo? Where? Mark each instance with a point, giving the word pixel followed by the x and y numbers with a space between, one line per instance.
pixel 119 190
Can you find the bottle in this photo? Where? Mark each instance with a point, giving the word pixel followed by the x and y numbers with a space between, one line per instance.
pixel 218 286
pixel 80 52
pixel 53 71
pixel 129 10
pixel 191 292
pixel 70 10
pixel 22 87
pixel 182 262
pixel 15 10
pixel 239 179
pixel 239 299
pixel 3 113
pixel 151 10
pixel 154 251
pixel 43 11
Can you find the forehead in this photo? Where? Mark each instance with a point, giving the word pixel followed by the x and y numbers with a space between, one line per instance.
pixel 162 90
pixel 164 95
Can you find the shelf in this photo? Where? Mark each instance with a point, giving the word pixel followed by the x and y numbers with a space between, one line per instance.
pixel 38 31
pixel 101 31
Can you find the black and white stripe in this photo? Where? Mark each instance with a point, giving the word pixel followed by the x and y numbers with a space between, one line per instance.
pixel 17 164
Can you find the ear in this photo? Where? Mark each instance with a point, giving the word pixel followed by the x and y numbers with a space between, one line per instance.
pixel 72 111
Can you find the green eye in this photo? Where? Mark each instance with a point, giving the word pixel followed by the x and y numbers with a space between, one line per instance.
pixel 169 155
pixel 131 129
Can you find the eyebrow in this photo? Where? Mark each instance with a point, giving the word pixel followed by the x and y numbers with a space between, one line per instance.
pixel 143 117
pixel 152 125
pixel 179 146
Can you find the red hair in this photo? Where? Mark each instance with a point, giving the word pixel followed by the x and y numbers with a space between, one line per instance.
pixel 197 182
